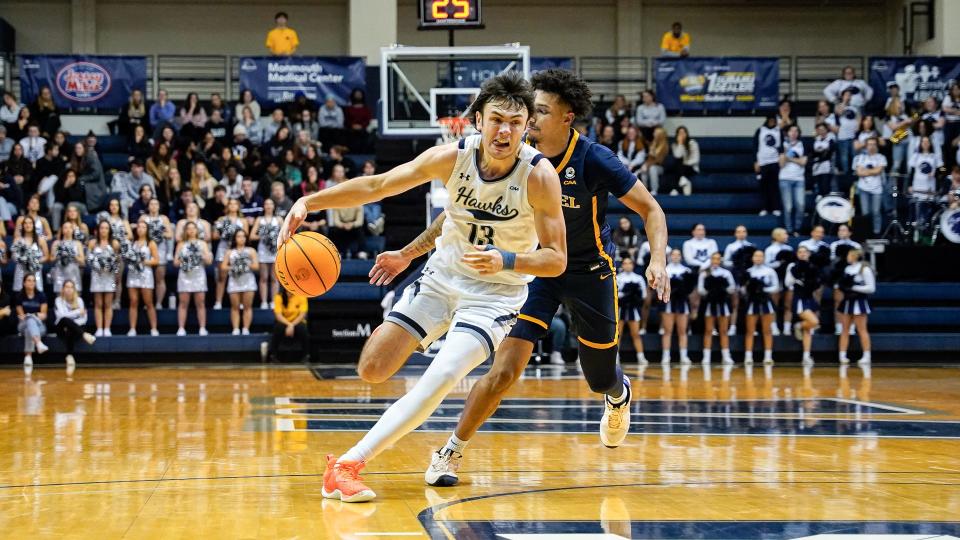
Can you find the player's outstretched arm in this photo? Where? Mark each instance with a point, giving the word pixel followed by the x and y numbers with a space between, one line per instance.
pixel 640 201
pixel 437 162
pixel 550 259
pixel 389 264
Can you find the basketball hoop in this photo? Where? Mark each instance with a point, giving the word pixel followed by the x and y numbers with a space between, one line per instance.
pixel 454 128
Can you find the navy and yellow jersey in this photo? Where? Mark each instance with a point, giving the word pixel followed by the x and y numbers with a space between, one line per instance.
pixel 588 172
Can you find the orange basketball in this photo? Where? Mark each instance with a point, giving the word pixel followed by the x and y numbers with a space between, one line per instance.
pixel 308 264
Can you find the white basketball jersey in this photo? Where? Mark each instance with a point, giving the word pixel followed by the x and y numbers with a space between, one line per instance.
pixel 487 212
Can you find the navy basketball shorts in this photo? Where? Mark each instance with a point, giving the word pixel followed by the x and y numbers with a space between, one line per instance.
pixel 591 299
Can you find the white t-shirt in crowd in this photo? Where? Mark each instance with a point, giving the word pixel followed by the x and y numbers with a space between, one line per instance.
pixel 768 145
pixel 925 171
pixel 697 252
pixel 861 91
pixel 790 170
pixel 948 103
pixel 847 123
pixel 820 144
pixel 874 183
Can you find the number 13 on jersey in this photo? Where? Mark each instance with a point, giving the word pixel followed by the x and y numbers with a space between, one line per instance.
pixel 481 235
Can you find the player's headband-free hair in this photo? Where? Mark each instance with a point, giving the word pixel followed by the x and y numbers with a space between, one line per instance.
pixel 508 89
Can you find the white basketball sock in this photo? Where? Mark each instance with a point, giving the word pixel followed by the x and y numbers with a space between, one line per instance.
pixel 460 353
pixel 455 444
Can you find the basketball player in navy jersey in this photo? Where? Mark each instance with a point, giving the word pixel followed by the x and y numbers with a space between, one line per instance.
pixel 588 172
pixel 504 225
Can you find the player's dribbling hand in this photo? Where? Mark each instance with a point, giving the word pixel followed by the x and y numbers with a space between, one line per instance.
pixel 657 278
pixel 389 264
pixel 296 215
pixel 484 261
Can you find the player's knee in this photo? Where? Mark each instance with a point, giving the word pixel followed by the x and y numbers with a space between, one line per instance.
pixel 501 378
pixel 370 369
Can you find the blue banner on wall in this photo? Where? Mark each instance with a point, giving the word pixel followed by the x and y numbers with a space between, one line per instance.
pixel 917 77
pixel 279 79
pixel 695 84
pixel 81 81
pixel 472 73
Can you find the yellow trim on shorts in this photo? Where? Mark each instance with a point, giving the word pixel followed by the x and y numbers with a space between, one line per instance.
pixel 534 320
pixel 613 269
pixel 599 345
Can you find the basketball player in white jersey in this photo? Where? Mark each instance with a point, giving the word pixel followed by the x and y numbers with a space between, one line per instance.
pixel 504 201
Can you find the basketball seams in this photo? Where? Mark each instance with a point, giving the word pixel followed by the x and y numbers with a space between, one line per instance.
pixel 333 252
pixel 287 267
pixel 315 271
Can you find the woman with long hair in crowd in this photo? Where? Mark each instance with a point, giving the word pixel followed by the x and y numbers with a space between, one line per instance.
pixel 31 307
pixel 631 150
pixel 265 230
pixel 122 233
pixel 686 161
pixel 68 258
pixel 192 118
pixel 897 120
pixel 652 168
pixel 923 187
pixel 42 226
pixel 29 251
pixel 139 147
pixel 649 115
pixel 632 290
pixel 760 285
pixel 736 259
pixel 240 265
pixel 161 233
pixel 45 113
pixel 104 259
pixel 141 258
pixel 159 166
pixel 70 318
pixel 80 230
pixel 626 239
pixel 192 215
pixel 251 123
pixel 803 281
pixel 676 312
pixel 191 257
pixel 224 229
pixel 716 286
pixel 857 283
pixel 866 130
pixel 247 101
pixel 202 183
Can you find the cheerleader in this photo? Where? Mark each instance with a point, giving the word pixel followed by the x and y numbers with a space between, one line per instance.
pixel 80 230
pixel 141 257
pixel 643 257
pixel 231 222
pixel 41 225
pixel 803 281
pixel 103 253
pixel 161 233
pixel 191 256
pixel 68 257
pixel 192 215
pixel 716 285
pixel 240 264
pixel 29 252
pixel 838 256
pixel 856 284
pixel 760 284
pixel 696 254
pixel 736 259
pixel 819 250
pixel 777 256
pixel 265 230
pixel 676 312
pixel 632 292
pixel 122 234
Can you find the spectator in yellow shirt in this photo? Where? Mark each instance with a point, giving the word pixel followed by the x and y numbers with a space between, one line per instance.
pixel 675 42
pixel 290 311
pixel 282 40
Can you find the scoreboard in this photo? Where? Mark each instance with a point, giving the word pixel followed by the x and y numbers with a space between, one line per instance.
pixel 449 14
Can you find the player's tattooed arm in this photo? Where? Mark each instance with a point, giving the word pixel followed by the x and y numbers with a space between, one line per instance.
pixel 390 264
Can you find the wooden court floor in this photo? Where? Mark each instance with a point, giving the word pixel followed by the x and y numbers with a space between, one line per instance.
pixel 204 452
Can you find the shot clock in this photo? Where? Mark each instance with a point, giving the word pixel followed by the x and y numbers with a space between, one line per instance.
pixel 449 14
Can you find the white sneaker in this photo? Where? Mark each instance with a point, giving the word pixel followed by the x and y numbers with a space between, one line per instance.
pixel 774 329
pixel 685 185
pixel 154 332
pixel 685 361
pixel 218 305
pixel 99 333
pixel 748 361
pixel 203 332
pixel 443 468
pixel 853 329
pixel 665 360
pixel 132 332
pixel 172 302
pixel 70 360
pixel 616 419
pixel 863 362
pixel 777 213
pixel 727 361
pixel 556 359
pixel 264 305
pixel 236 332
pixel 732 331
pixel 245 332
pixel 264 350
pixel 763 212
pixel 807 362
pixel 41 348
pixel 181 332
pixel 643 331
pixel 642 360
pixel 768 361
pixel 788 328
pixel 89 338
pixel 107 332
pixel 660 331
pixel 798 332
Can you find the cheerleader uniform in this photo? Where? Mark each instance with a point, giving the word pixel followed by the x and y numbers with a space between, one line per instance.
pixel 731 252
pixel 697 252
pixel 27 258
pixel 118 230
pixel 103 269
pixel 803 278
pixel 241 278
pixel 66 266
pixel 858 281
pixel 139 275
pixel 819 252
pixel 632 291
pixel 643 255
pixel 716 285
pixel 761 282
pixel 267 247
pixel 156 230
pixel 680 286
pixel 192 277
pixel 78 235
pixel 227 228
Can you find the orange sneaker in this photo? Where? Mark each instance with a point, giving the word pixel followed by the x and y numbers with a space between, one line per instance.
pixel 342 481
